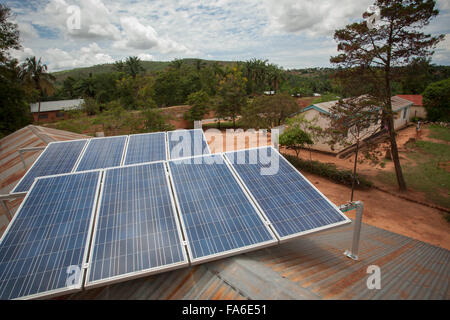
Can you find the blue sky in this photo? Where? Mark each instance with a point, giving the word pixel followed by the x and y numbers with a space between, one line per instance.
pixel 290 33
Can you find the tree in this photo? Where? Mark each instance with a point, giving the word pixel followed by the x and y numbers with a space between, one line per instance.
pixel 133 66
pixel 351 121
pixel 295 138
pixel 155 121
pixel 269 111
pixel 315 132
pixel 436 100
pixel 371 53
pixel 85 87
pixel 199 102
pixel 231 95
pixel 34 72
pixel 9 34
pixel 14 108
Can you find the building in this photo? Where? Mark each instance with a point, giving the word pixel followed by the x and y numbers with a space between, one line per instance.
pixel 319 113
pixel 417 109
pixel 311 267
pixel 54 110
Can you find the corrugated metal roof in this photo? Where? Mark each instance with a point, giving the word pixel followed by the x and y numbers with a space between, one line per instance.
pixel 311 267
pixel 397 104
pixel 56 105
pixel 416 99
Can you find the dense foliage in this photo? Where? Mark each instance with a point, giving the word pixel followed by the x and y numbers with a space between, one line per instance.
pixel 436 99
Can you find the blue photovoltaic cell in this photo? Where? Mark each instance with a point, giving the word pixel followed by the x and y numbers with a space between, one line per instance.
pixel 187 143
pixel 218 216
pixel 136 231
pixel 146 148
pixel 57 158
pixel 47 236
pixel 103 153
pixel 289 201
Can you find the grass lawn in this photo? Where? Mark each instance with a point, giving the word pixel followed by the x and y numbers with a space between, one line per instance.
pixel 428 170
pixel 439 132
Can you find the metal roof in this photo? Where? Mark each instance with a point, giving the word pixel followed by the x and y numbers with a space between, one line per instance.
pixel 324 107
pixel 57 105
pixel 311 267
pixel 416 99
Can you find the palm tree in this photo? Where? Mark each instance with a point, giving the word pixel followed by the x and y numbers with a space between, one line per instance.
pixel 134 66
pixel 34 72
pixel 85 87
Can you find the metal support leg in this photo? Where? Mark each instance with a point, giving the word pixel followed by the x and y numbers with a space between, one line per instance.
pixel 359 206
pixel 23 160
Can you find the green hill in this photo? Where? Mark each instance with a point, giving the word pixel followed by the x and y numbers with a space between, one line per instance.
pixel 149 66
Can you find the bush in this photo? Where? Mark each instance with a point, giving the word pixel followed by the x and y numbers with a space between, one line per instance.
pixel 329 171
pixel 90 106
pixel 436 99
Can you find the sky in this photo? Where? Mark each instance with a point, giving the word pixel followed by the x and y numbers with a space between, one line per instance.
pixel 290 33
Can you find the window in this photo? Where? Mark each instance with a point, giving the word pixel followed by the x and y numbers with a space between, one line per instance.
pixel 60 114
pixel 43 116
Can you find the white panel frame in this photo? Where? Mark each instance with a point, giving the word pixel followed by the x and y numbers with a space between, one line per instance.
pixel 13 191
pixel 75 288
pixel 228 253
pixel 84 152
pixel 142 134
pixel 142 273
pixel 302 233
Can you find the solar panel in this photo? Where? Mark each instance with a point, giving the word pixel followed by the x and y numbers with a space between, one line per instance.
pixel 218 218
pixel 147 147
pixel 57 158
pixel 103 153
pixel 137 230
pixel 43 250
pixel 291 203
pixel 187 143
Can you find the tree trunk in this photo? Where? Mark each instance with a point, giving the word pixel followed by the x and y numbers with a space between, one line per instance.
pixel 39 111
pixel 354 170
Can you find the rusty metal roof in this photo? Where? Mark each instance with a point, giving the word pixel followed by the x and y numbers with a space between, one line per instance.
pixel 311 267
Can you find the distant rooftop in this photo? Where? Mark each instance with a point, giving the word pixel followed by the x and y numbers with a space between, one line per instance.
pixel 416 99
pixel 57 105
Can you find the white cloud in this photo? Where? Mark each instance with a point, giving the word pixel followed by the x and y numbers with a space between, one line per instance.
pixel 27 31
pixel 136 35
pixel 146 57
pixel 21 55
pixel 86 56
pixel 313 17
pixel 96 21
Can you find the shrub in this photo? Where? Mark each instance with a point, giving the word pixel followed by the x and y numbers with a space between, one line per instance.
pixel 329 171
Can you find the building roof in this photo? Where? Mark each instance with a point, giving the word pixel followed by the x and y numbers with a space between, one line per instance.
pixel 416 99
pixel 57 105
pixel 324 107
pixel 311 267
pixel 400 103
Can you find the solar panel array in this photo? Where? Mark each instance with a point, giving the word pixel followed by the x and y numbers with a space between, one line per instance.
pixel 290 202
pixel 154 214
pixel 147 147
pixel 137 230
pixel 58 157
pixel 187 143
pixel 103 153
pixel 217 215
pixel 43 250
